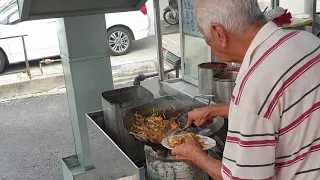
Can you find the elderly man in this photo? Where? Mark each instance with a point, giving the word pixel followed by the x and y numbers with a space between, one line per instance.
pixel 274 116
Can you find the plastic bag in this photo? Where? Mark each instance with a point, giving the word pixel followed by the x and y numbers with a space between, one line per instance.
pixel 279 16
pixel 274 13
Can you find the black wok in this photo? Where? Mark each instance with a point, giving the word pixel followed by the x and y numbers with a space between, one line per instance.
pixel 169 108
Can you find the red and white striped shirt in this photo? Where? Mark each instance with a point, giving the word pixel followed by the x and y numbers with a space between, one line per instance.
pixel 274 120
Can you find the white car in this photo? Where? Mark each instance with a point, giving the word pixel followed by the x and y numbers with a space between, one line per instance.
pixel 42 40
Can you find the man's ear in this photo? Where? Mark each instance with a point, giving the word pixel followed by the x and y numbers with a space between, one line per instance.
pixel 219 34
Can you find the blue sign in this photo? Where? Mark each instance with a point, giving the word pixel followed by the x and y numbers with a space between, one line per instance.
pixel 189 21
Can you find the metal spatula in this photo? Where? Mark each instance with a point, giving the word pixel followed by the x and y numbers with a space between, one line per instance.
pixel 209 129
pixel 179 132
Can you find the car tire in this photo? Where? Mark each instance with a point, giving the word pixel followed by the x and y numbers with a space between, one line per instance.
pixel 119 41
pixel 167 16
pixel 3 61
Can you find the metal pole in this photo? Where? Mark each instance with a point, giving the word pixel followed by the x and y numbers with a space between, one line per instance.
pixel 310 8
pixel 157 24
pixel 313 15
pixel 275 3
pixel 26 57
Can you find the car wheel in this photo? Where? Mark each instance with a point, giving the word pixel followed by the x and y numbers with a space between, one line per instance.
pixel 168 17
pixel 2 61
pixel 120 41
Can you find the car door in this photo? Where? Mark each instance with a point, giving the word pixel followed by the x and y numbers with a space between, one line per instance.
pixel 136 21
pixel 41 40
pixel 3 42
pixel 7 10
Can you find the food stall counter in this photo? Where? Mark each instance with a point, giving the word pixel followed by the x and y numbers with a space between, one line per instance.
pixel 299 21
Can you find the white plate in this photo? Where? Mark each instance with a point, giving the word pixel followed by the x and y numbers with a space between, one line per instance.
pixel 208 143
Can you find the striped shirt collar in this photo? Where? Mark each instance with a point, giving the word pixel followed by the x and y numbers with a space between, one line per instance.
pixel 265 32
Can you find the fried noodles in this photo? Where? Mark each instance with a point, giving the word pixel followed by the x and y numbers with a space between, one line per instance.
pixel 155 127
pixel 181 139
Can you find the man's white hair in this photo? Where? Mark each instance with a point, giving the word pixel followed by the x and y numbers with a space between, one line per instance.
pixel 234 15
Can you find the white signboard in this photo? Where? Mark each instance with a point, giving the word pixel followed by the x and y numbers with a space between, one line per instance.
pixel 188 17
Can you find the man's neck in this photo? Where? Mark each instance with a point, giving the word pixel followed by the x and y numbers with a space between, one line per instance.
pixel 242 43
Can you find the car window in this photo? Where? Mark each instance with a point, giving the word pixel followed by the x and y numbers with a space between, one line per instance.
pixel 9 12
pixel 13 18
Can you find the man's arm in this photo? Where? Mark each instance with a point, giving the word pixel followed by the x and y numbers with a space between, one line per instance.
pixel 210 165
pixel 249 151
pixel 193 153
pixel 219 110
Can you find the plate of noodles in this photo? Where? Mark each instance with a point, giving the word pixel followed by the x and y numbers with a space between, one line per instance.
pixel 173 141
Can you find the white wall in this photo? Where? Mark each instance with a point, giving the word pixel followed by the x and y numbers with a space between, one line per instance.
pixel 163 4
pixel 293 5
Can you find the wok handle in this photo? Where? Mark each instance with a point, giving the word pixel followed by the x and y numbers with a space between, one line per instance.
pixel 203 97
pixel 193 125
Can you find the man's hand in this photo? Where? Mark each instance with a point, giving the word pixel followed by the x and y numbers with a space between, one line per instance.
pixel 201 115
pixel 192 152
pixel 188 151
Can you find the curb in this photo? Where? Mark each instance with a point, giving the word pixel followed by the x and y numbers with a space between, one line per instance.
pixel 119 68
pixel 33 86
pixel 45 84
pixel 123 72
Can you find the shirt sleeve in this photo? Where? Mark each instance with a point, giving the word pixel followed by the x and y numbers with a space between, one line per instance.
pixel 250 146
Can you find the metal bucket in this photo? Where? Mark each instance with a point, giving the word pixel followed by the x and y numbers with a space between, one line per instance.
pixel 162 165
pixel 224 84
pixel 206 71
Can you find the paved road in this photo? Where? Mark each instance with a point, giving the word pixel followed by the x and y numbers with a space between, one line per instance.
pixel 35 134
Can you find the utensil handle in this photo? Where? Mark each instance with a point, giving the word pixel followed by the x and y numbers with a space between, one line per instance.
pixel 196 97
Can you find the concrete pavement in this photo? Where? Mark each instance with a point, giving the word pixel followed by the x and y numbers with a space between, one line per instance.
pixel 125 69
pixel 35 133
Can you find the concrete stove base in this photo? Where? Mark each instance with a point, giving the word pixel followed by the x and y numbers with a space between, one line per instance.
pixel 72 170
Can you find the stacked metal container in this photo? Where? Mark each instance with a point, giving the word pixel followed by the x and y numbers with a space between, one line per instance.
pixel 116 104
pixel 161 165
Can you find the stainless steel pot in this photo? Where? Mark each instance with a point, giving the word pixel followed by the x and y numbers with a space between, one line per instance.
pixel 224 84
pixel 206 71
